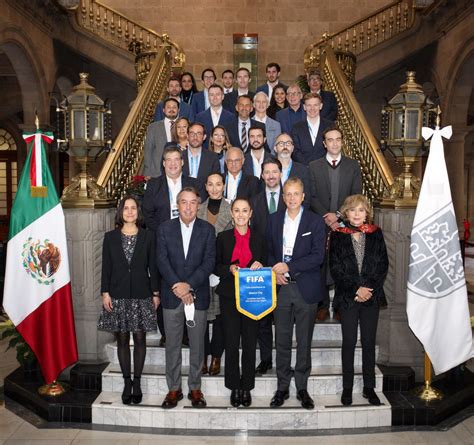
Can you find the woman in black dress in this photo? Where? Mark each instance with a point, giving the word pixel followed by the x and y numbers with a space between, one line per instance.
pixel 359 264
pixel 129 291
pixel 277 102
pixel 189 88
pixel 238 247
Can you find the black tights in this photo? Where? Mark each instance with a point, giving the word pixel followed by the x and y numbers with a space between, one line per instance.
pixel 139 351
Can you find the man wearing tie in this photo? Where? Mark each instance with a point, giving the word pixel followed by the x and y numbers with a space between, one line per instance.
pixel 264 204
pixel 238 128
pixel 157 135
pixel 185 258
pixel 296 240
pixel 228 81
pixel 334 177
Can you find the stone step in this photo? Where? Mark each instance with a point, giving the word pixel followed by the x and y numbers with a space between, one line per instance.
pixel 219 416
pixel 323 352
pixel 323 380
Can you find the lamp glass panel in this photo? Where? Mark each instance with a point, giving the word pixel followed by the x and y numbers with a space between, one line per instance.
pixel 95 126
pixel 79 128
pixel 398 124
pixel 412 129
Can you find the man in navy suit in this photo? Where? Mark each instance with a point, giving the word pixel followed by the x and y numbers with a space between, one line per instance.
pixel 185 258
pixel 315 83
pixel 227 77
pixel 258 152
pixel 308 134
pixel 174 91
pixel 267 202
pixel 272 71
pixel 216 114
pixel 243 81
pixel 237 183
pixel 201 100
pixel 294 112
pixel 296 245
pixel 238 128
pixel 199 162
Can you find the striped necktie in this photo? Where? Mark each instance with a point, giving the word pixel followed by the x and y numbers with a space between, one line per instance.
pixel 243 137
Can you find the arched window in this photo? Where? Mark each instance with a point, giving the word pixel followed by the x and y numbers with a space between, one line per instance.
pixel 8 173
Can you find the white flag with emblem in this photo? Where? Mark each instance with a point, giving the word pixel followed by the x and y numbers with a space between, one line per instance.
pixel 437 305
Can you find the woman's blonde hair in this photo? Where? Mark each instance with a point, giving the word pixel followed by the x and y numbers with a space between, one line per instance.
pixel 355 200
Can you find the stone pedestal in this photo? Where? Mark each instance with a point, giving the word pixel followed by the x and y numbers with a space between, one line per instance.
pixel 397 344
pixel 85 231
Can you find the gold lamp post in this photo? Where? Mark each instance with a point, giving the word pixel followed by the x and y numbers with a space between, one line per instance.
pixel 87 134
pixel 402 120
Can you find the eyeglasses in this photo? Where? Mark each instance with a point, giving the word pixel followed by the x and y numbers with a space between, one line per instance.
pixel 293 93
pixel 196 133
pixel 284 144
pixel 233 161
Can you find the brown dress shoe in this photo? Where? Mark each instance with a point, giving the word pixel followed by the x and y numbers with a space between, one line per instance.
pixel 197 399
pixel 215 367
pixel 204 369
pixel 322 314
pixel 172 399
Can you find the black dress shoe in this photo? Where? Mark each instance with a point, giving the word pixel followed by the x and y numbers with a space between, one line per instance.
pixel 245 397
pixel 346 397
pixel 370 395
pixel 263 367
pixel 137 395
pixel 306 401
pixel 127 391
pixel 235 398
pixel 279 398
pixel 162 343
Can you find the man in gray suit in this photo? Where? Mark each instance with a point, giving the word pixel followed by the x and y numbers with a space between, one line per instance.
pixel 333 177
pixel 157 135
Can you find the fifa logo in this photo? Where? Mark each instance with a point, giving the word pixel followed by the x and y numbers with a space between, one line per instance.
pixel 254 279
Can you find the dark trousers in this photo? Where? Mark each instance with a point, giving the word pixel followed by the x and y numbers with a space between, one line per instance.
pixel 368 317
pixel 236 327
pixel 293 310
pixel 265 338
pixel 215 346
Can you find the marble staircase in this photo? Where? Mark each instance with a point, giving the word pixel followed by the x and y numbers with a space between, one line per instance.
pixel 325 386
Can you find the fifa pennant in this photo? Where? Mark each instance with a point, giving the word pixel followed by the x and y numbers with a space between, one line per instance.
pixel 255 292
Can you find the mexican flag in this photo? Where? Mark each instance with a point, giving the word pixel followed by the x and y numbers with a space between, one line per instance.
pixel 37 295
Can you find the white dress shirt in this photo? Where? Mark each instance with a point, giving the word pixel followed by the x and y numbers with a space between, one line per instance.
pixel 257 163
pixel 168 129
pixel 290 230
pixel 313 129
pixel 330 159
pixel 216 115
pixel 248 124
pixel 276 195
pixel 232 186
pixel 262 120
pixel 174 188
pixel 206 99
pixel 186 232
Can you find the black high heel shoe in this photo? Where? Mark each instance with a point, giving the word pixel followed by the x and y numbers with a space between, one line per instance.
pixel 137 391
pixel 127 391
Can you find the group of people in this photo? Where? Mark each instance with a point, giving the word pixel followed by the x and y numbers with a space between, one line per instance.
pixel 257 193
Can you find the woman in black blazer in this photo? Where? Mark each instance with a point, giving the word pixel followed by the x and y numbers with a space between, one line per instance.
pixel 359 264
pixel 238 247
pixel 129 291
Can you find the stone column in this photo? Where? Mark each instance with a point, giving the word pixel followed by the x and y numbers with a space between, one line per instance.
pixel 397 344
pixel 85 229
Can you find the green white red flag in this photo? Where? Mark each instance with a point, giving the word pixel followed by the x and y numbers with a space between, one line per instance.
pixel 37 295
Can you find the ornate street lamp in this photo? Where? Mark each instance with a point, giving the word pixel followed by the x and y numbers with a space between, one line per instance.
pixel 402 120
pixel 86 135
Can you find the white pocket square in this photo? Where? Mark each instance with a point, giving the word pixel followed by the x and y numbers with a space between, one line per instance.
pixel 306 234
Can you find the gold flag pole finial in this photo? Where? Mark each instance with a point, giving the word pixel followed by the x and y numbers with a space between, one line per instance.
pixel 438 116
pixel 37 121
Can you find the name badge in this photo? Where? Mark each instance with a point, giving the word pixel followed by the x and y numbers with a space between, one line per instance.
pixel 174 211
pixel 287 254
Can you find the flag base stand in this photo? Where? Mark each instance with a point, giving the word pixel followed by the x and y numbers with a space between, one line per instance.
pixel 52 390
pixel 427 393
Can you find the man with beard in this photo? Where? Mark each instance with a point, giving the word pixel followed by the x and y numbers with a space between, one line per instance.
pixel 284 149
pixel 157 135
pixel 174 91
pixel 257 155
pixel 272 72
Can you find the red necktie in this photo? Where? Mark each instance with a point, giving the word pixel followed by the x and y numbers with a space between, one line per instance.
pixel 334 162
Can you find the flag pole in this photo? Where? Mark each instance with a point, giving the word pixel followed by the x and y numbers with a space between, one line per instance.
pixel 427 392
